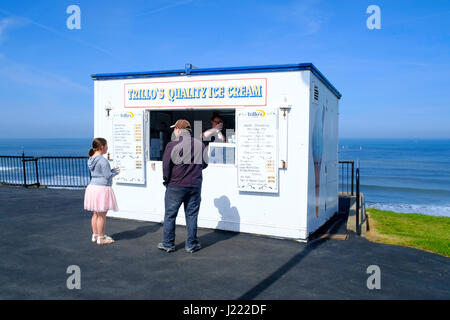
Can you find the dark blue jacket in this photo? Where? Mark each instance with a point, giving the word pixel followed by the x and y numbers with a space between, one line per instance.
pixel 183 162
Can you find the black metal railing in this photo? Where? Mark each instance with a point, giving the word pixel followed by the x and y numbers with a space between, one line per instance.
pixel 44 171
pixel 349 179
pixel 346 176
pixel 358 203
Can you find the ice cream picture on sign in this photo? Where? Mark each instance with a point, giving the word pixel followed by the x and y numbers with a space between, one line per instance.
pixel 317 144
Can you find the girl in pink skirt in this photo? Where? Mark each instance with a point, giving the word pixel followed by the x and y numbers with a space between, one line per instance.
pixel 99 196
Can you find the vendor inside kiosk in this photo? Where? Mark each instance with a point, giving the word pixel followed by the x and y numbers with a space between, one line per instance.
pixel 216 128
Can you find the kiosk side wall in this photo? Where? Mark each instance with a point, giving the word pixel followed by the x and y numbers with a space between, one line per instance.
pixel 223 206
pixel 323 155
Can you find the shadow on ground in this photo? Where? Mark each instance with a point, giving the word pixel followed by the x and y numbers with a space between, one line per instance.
pixel 136 233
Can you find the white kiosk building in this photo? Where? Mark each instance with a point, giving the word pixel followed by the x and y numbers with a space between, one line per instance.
pixel 277 172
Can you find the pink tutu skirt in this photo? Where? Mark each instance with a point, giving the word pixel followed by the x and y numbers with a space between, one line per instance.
pixel 99 198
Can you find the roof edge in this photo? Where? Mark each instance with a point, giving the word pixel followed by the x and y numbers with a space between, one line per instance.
pixel 223 70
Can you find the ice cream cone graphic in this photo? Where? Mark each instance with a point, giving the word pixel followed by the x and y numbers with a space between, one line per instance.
pixel 317 144
pixel 317 174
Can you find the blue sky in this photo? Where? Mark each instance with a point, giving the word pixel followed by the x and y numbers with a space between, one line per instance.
pixel 394 81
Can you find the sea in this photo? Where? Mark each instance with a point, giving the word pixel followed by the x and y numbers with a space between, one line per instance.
pixel 400 175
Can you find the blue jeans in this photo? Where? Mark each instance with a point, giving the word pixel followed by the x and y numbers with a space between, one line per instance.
pixel 174 197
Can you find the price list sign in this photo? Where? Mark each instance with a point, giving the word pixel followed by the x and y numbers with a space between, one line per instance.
pixel 257 150
pixel 128 147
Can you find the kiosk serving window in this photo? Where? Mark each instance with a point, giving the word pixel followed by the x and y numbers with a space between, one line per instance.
pixel 220 151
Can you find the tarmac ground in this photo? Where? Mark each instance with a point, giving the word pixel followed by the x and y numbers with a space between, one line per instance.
pixel 44 231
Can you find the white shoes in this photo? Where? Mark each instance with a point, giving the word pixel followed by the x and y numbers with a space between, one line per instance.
pixel 106 238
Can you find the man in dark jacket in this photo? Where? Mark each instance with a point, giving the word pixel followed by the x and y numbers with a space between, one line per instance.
pixel 183 162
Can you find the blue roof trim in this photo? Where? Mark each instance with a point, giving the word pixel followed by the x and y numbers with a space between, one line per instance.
pixel 227 70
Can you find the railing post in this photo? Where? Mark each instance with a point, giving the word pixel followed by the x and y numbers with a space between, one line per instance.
pixel 37 172
pixel 353 172
pixel 358 231
pixel 24 169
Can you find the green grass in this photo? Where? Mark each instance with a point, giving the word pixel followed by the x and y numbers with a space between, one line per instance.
pixel 410 229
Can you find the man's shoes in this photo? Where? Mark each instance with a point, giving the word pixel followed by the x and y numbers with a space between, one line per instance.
pixel 194 248
pixel 166 249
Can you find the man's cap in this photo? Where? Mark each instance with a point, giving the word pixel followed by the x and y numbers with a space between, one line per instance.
pixel 181 124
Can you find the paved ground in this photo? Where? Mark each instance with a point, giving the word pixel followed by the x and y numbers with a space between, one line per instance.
pixel 43 231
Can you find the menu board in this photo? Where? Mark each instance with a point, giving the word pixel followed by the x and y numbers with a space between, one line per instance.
pixel 257 143
pixel 128 146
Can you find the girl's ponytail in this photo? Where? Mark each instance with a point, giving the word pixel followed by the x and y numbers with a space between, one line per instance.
pixel 91 152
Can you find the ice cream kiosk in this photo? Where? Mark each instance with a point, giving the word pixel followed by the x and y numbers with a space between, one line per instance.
pixel 276 174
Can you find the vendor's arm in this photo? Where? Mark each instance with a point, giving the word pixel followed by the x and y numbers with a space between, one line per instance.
pixel 208 133
pixel 213 132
